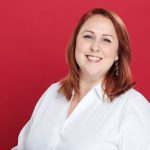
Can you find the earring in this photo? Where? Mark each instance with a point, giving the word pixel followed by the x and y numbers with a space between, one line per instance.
pixel 116 67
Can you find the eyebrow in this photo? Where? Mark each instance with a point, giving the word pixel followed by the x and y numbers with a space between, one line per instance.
pixel 108 35
pixel 88 31
pixel 94 33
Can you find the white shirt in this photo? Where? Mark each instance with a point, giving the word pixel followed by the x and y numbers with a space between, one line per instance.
pixel 94 124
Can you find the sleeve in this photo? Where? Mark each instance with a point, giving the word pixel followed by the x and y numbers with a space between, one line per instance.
pixel 134 127
pixel 25 130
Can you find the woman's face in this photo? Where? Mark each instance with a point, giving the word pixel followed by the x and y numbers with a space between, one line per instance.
pixel 96 47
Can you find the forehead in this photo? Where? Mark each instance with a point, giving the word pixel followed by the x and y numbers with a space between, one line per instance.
pixel 99 24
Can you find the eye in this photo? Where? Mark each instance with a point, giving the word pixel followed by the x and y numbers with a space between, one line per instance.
pixel 107 40
pixel 88 36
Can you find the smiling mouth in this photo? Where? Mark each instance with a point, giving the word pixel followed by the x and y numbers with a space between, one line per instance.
pixel 94 59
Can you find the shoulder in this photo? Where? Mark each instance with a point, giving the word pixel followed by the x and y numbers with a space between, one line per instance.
pixel 133 96
pixel 135 110
pixel 134 120
pixel 134 104
pixel 53 88
pixel 52 92
pixel 133 93
pixel 47 98
pixel 132 99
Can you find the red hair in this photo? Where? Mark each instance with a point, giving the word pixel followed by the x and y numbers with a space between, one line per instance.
pixel 114 85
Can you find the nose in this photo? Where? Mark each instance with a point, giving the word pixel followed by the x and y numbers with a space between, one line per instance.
pixel 94 46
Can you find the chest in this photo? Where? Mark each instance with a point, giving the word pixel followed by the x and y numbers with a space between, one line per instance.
pixel 73 104
pixel 91 125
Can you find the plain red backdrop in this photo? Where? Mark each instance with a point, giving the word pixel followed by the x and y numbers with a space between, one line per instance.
pixel 33 39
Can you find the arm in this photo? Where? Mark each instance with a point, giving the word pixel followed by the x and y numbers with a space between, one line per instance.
pixel 134 127
pixel 26 129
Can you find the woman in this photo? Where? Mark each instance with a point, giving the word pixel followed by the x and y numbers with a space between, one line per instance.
pixel 95 106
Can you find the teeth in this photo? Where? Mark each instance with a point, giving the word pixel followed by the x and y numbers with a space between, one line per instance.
pixel 93 58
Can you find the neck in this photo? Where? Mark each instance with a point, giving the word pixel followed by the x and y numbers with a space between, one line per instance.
pixel 86 83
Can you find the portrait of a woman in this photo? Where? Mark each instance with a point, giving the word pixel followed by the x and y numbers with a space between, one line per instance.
pixel 95 107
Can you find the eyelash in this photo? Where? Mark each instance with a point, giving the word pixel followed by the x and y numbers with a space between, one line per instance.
pixel 107 40
pixel 90 37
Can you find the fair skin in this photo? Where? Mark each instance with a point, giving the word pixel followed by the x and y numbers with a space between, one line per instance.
pixel 95 53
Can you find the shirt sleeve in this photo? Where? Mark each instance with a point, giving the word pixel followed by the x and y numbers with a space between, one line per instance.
pixel 134 127
pixel 25 130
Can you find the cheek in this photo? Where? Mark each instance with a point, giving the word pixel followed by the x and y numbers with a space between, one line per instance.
pixel 112 55
pixel 79 50
pixel 77 53
pixel 81 45
pixel 111 52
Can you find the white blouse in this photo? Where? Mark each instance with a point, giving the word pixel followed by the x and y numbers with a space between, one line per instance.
pixel 94 124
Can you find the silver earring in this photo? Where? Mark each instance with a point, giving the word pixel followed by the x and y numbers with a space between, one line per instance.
pixel 116 67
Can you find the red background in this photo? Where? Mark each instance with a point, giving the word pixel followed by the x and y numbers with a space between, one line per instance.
pixel 33 39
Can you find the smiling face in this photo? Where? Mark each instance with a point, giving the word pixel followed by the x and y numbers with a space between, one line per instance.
pixel 96 47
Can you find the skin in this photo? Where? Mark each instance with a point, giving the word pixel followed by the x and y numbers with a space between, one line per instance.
pixel 95 53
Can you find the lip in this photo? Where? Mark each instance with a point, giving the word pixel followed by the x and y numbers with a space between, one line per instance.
pixel 93 58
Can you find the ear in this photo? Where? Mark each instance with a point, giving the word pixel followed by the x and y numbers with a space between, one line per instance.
pixel 116 57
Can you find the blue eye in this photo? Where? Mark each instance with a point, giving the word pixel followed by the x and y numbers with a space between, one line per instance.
pixel 88 36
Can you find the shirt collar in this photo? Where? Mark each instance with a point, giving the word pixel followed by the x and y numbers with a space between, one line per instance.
pixel 100 91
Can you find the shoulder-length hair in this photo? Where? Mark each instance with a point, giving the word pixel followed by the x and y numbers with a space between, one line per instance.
pixel 114 84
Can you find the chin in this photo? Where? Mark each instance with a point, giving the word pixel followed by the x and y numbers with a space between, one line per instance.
pixel 93 74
